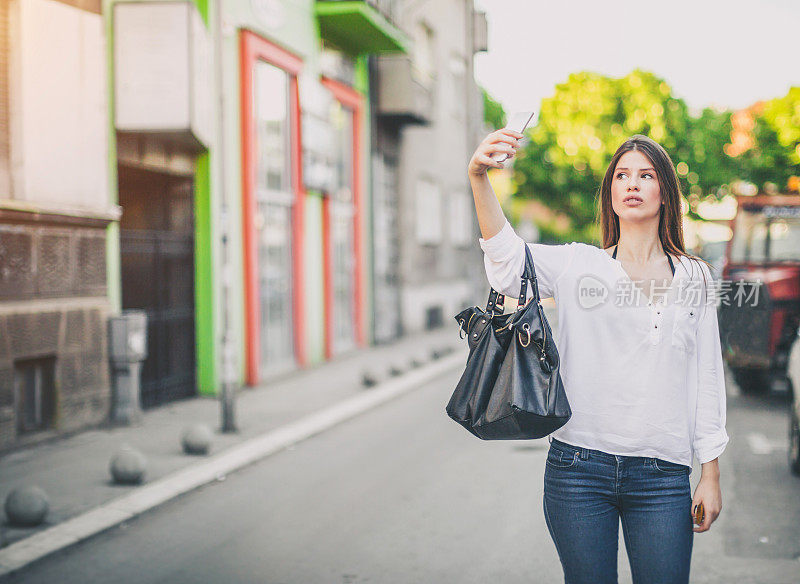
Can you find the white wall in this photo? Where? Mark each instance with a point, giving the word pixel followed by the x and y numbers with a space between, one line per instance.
pixel 59 137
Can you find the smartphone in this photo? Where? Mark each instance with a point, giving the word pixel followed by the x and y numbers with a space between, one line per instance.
pixel 517 122
pixel 699 514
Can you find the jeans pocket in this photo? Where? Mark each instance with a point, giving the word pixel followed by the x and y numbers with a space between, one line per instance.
pixel 667 467
pixel 561 458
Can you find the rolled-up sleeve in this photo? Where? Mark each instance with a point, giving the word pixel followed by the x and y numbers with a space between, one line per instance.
pixel 504 261
pixel 710 437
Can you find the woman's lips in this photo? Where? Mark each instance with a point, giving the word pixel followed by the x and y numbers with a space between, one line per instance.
pixel 633 202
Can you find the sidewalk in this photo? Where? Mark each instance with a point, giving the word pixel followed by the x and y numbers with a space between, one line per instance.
pixel 74 471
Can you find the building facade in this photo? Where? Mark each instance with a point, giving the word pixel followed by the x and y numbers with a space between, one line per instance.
pixel 275 183
pixel 440 123
pixel 55 209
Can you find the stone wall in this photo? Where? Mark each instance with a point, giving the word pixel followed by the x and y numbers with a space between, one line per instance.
pixel 53 304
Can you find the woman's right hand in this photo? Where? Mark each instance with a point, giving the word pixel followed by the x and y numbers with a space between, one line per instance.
pixel 502 140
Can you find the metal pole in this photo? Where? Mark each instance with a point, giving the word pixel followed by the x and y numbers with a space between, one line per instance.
pixel 229 377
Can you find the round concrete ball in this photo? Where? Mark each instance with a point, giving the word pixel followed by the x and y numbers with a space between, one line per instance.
pixel 420 358
pixel 26 506
pixel 371 376
pixel 128 466
pixel 197 439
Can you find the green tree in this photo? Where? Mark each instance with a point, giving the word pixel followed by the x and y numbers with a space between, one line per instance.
pixel 579 129
pixel 775 155
pixel 493 113
pixel 590 115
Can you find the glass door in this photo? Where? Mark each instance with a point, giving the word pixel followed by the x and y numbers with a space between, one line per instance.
pixel 273 217
pixel 342 214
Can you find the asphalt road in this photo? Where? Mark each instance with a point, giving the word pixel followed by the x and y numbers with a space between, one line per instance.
pixel 403 494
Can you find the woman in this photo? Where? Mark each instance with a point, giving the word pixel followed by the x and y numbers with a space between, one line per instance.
pixel 641 364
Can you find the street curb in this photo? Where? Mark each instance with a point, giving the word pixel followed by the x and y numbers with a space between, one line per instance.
pixel 86 525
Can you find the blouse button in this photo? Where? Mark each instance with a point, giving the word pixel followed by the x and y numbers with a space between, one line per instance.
pixel 656 326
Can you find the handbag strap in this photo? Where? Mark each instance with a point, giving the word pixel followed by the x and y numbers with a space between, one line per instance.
pixel 496 300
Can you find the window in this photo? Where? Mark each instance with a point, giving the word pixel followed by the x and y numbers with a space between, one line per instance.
pixel 35 393
pixel 458 85
pixel 428 212
pixel 460 218
pixel 766 234
pixel 434 317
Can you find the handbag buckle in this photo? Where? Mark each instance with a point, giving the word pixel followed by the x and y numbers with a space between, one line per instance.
pixel 527 329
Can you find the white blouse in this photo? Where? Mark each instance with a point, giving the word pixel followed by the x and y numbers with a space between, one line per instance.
pixel 643 378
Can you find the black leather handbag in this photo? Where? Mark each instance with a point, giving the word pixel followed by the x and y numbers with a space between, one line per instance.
pixel 511 388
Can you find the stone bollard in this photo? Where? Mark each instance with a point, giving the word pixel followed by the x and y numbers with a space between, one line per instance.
pixel 26 506
pixel 128 466
pixel 419 359
pixel 196 439
pixel 371 376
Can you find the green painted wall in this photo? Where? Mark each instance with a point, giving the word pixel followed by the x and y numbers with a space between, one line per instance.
pixel 205 282
pixel 207 348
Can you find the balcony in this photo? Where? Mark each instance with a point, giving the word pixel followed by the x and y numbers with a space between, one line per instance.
pixel 358 27
pixel 403 96
pixel 162 73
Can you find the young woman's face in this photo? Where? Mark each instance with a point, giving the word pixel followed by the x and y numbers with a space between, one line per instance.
pixel 635 193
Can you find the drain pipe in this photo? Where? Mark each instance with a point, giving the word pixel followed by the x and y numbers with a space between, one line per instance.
pixel 229 377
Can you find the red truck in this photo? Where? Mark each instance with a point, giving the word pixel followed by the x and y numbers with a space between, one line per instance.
pixel 759 303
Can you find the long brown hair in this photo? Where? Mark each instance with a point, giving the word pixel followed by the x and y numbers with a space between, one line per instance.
pixel 670 223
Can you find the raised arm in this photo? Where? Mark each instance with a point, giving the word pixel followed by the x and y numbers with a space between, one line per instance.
pixel 490 214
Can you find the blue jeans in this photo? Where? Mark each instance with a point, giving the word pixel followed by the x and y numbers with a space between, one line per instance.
pixel 587 491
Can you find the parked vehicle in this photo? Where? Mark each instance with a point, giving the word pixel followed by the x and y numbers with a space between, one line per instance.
pixel 793 371
pixel 714 253
pixel 759 308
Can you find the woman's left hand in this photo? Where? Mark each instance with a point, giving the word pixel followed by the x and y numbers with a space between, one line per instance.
pixel 709 493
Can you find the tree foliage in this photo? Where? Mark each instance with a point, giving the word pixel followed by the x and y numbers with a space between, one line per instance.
pixel 493 113
pixel 589 115
pixel 775 153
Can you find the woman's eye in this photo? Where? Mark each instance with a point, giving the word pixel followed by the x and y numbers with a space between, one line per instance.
pixel 620 174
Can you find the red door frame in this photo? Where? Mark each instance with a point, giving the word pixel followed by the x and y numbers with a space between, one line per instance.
pixel 252 49
pixel 354 101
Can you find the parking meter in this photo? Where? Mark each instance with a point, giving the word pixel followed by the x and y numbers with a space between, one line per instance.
pixel 127 334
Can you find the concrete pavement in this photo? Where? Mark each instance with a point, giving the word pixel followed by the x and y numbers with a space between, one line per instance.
pixel 74 471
